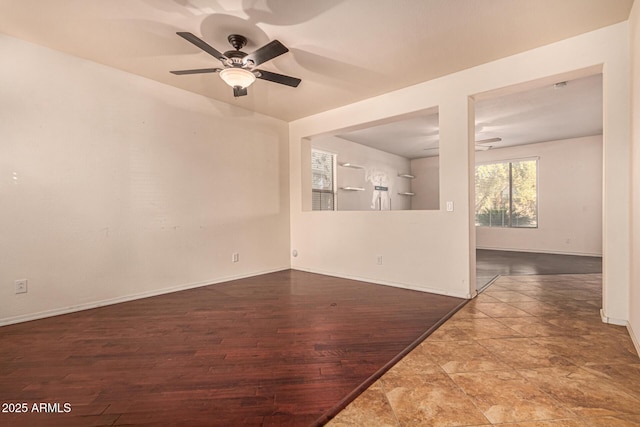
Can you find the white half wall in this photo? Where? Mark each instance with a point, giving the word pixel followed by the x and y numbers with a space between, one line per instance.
pixel 634 309
pixel 432 250
pixel 114 187
pixel 569 199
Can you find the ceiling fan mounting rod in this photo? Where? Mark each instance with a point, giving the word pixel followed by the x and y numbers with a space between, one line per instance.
pixel 237 41
pixel 235 57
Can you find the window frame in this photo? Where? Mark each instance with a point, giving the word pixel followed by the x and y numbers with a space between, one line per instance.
pixel 510 205
pixel 334 178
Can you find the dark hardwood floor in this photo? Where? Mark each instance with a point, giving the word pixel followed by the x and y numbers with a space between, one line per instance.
pixel 492 263
pixel 288 348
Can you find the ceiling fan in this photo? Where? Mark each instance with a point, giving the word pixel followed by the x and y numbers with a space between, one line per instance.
pixel 238 67
pixel 482 144
pixel 479 145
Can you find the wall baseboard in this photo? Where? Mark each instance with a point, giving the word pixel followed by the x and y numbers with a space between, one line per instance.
pixel 539 251
pixel 634 338
pixel 612 320
pixel 386 283
pixel 156 292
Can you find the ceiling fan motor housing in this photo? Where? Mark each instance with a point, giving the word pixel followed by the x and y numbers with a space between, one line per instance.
pixel 236 56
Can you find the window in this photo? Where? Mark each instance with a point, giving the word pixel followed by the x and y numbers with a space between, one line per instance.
pixel 507 195
pixel 323 190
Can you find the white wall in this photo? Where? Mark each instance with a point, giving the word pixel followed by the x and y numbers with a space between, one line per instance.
pixel 569 199
pixel 433 250
pixel 113 186
pixel 634 310
pixel 371 160
pixel 426 184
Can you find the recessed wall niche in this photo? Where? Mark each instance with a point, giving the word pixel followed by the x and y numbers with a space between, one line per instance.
pixel 383 166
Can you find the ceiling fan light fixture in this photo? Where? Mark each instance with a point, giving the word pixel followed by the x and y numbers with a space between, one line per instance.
pixel 237 77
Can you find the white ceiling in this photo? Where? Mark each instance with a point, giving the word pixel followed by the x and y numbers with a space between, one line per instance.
pixel 411 138
pixel 570 109
pixel 543 113
pixel 343 50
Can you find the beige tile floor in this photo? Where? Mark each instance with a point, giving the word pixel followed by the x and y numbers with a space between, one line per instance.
pixel 530 351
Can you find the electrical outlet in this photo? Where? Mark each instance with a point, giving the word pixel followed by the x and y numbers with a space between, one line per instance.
pixel 21 286
pixel 379 259
pixel 235 257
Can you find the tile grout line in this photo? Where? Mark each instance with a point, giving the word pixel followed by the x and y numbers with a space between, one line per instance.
pixel 386 397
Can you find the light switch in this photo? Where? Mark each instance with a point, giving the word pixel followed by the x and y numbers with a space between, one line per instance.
pixel 449 206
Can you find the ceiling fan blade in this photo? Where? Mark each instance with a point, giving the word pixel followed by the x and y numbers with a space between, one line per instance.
pixel 266 53
pixel 201 44
pixel 239 91
pixel 198 71
pixel 489 140
pixel 278 78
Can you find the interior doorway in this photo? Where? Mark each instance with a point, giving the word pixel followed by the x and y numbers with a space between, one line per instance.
pixel 538 178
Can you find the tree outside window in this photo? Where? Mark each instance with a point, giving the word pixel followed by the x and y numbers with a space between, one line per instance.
pixel 506 194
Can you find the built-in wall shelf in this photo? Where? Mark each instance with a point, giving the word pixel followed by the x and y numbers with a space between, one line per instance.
pixel 351 165
pixel 406 175
pixel 406 193
pixel 352 188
